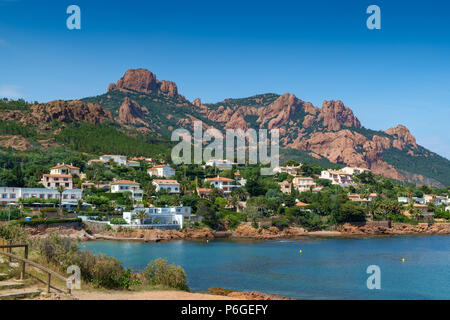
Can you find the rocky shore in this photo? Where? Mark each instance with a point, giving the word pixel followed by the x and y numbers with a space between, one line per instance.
pixel 244 231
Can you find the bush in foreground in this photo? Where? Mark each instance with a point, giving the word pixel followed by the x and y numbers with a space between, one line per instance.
pixel 158 272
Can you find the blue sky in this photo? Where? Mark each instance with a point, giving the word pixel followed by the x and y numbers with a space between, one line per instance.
pixel 318 50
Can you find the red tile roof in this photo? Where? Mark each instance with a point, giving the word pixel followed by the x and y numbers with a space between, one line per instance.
pixel 58 175
pixel 173 182
pixel 124 182
pixel 219 179
pixel 301 204
pixel 65 165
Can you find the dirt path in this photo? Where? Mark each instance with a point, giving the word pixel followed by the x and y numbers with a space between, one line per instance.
pixel 148 295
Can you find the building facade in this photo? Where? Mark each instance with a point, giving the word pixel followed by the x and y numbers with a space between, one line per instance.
pixel 159 217
pixel 162 171
pixel 120 186
pixel 53 181
pixel 224 184
pixel 171 186
pixel 65 169
pixel 9 195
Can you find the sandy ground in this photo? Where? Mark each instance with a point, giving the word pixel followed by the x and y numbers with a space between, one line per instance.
pixel 148 295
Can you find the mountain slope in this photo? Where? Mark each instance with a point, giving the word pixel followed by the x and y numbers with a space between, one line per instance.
pixel 139 105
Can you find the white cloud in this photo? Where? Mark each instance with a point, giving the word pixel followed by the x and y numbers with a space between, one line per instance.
pixel 10 91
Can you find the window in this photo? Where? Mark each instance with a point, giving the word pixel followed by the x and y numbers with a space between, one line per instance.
pixel 13 196
pixel 4 196
pixel 67 184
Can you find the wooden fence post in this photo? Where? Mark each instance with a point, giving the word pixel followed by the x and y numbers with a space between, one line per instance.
pixel 48 284
pixel 9 250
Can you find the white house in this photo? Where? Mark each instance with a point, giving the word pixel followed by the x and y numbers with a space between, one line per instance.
pixel 172 186
pixel 220 164
pixel 53 181
pixel 292 170
pixel 132 163
pixel 303 183
pixel 403 199
pixel 159 217
pixel 162 171
pixel 224 184
pixel 12 194
pixel 337 177
pixel 127 185
pixel 65 169
pixel 354 170
pixel 118 159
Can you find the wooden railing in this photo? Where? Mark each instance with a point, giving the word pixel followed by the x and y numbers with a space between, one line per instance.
pixel 6 250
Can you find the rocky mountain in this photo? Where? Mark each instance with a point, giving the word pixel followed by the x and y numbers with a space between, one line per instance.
pixel 139 102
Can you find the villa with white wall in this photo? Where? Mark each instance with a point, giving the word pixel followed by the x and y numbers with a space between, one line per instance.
pixel 224 184
pixel 162 171
pixel 171 186
pixel 159 217
pixel 9 195
pixel 120 186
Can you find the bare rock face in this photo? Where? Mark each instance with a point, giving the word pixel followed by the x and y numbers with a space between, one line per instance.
pixel 282 110
pixel 142 80
pixel 402 137
pixel 67 111
pixel 130 112
pixel 335 115
pixel 197 102
pixel 169 88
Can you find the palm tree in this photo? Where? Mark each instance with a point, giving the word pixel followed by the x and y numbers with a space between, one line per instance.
pixel 141 215
pixel 60 190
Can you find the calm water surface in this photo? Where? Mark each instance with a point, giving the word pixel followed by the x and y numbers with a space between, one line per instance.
pixel 325 269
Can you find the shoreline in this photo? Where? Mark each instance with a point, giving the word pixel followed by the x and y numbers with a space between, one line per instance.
pixel 244 232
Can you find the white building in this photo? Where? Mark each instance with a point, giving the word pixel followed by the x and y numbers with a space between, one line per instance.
pixel 354 170
pixel 337 177
pixel 403 199
pixel 120 160
pixel 65 169
pixel 292 170
pixel 53 181
pixel 120 186
pixel 132 163
pixel 12 194
pixel 171 186
pixel 224 184
pixel 159 217
pixel 162 171
pixel 221 164
pixel 303 183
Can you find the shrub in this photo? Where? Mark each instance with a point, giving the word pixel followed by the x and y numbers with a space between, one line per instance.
pixel 280 223
pixel 158 272
pixel 14 232
pixel 12 214
pixel 118 221
pixel 100 270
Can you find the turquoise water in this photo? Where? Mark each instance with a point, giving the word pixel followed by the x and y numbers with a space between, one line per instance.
pixel 326 269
